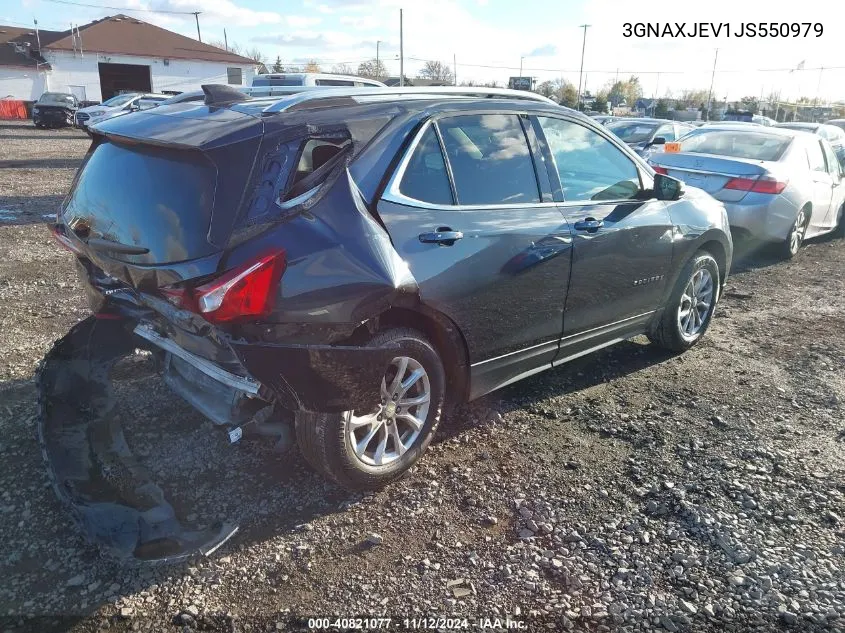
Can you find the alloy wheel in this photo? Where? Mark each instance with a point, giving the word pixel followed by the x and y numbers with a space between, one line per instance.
pixel 796 235
pixel 382 436
pixel 696 303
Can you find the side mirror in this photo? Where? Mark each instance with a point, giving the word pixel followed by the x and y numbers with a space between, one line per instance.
pixel 667 188
pixel 658 140
pixel 134 107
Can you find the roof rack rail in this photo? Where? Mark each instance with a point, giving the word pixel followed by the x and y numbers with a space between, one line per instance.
pixel 295 100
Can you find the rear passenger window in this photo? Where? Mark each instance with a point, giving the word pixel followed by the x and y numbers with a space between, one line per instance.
pixel 590 166
pixel 490 160
pixel 425 178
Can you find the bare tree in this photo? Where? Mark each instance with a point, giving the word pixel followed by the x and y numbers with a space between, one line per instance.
pixel 254 53
pixel 343 69
pixel 373 69
pixel 437 71
pixel 312 67
pixel 546 88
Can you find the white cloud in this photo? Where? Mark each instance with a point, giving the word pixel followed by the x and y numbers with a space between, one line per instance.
pixel 302 21
pixel 362 22
pixel 225 12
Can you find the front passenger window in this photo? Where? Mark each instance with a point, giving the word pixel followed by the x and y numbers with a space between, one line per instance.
pixel 590 166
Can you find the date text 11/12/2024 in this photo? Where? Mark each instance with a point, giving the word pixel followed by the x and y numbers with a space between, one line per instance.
pixel 417 624
pixel 722 29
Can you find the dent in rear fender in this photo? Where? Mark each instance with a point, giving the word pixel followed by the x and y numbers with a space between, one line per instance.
pixel 108 492
pixel 341 264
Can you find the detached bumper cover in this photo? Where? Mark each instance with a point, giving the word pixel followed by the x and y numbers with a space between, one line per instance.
pixel 108 492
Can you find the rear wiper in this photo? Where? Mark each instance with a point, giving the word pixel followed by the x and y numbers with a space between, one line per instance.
pixel 98 244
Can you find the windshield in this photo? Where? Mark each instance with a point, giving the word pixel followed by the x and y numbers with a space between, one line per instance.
pixel 119 100
pixel 57 98
pixel 633 132
pixel 736 144
pixel 277 81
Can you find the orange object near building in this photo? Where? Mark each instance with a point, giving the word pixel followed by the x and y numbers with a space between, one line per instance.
pixel 13 109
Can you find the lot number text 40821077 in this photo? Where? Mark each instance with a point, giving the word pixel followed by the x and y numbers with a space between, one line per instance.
pixel 721 29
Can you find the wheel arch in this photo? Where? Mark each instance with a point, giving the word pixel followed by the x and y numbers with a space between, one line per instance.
pixel 443 333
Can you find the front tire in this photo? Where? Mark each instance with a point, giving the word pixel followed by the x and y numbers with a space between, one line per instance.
pixel 366 450
pixel 690 308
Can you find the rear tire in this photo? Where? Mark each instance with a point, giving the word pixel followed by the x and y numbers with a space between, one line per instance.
pixel 690 308
pixel 332 442
pixel 795 239
pixel 839 231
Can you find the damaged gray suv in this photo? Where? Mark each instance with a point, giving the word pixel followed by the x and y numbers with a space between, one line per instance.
pixel 346 265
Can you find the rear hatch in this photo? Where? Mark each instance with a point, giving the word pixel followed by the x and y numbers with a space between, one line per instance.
pixel 161 188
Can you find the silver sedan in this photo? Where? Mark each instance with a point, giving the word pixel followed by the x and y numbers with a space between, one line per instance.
pixel 777 185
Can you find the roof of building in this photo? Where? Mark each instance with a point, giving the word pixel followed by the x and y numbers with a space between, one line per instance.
pixel 19 46
pixel 118 35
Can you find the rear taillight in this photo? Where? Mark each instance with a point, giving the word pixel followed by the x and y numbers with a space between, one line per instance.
pixel 660 170
pixel 63 240
pixel 246 292
pixel 765 184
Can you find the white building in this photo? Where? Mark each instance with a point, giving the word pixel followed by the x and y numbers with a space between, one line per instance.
pixel 109 56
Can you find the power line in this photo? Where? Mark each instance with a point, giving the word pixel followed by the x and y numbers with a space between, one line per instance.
pixel 103 6
pixel 633 72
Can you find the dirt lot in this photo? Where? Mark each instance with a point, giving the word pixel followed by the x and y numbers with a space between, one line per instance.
pixel 631 490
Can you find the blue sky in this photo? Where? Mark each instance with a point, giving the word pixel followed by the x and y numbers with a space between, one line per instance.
pixel 497 33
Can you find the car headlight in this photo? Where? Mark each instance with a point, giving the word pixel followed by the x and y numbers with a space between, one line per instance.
pixel 98 113
pixel 36 110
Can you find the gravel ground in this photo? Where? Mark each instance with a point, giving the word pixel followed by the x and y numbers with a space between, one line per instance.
pixel 631 490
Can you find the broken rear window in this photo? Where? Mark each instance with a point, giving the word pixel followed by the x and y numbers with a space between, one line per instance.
pixel 294 170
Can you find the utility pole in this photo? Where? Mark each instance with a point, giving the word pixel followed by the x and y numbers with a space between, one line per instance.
pixel 197 18
pixel 520 67
pixel 712 77
pixel 225 40
pixel 654 96
pixel 378 66
pixel 818 86
pixel 401 53
pixel 455 68
pixel 581 74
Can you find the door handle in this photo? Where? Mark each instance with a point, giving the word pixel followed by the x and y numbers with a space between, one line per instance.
pixel 444 236
pixel 589 224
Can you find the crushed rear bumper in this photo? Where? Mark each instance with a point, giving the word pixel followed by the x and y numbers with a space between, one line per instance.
pixel 108 491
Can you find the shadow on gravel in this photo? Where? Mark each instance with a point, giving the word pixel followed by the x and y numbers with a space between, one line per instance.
pixel 41 163
pixel 583 373
pixel 19 210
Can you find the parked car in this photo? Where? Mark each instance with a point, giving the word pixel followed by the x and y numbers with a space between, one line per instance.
pixel 54 109
pixel 183 97
pixel 385 258
pixel 604 119
pixel 116 106
pixel 840 123
pixel 777 184
pixel 647 136
pixel 832 133
pixel 280 84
